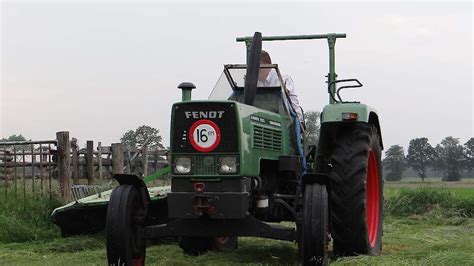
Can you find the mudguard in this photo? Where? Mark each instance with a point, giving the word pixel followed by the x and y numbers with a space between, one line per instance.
pixel 126 179
pixel 333 113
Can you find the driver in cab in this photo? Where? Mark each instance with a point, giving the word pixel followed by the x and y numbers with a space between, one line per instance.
pixel 267 77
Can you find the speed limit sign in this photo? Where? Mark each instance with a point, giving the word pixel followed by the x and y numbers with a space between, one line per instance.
pixel 205 135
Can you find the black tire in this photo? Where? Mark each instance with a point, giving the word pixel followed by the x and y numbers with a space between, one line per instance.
pixel 314 229
pixel 225 243
pixel 195 246
pixel 125 227
pixel 356 192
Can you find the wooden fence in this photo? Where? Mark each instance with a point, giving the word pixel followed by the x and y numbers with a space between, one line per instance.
pixel 60 167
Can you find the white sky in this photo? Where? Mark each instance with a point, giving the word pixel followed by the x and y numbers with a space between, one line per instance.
pixel 98 70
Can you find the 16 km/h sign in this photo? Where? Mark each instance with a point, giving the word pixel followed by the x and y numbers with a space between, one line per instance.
pixel 205 135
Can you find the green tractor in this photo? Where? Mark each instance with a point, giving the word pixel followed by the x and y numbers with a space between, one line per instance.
pixel 238 167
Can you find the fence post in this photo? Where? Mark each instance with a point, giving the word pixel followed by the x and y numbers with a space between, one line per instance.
pixel 90 161
pixel 64 163
pixel 117 158
pixel 156 155
pixel 145 160
pixel 99 157
pixel 75 161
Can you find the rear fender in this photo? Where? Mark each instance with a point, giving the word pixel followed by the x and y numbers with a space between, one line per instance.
pixel 333 113
pixel 125 179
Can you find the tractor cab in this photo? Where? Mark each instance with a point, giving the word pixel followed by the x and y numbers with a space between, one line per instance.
pixel 270 96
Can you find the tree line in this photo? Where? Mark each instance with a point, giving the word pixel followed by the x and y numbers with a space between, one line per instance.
pixel 449 158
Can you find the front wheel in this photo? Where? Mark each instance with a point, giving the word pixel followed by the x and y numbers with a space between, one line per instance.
pixel 314 236
pixel 125 227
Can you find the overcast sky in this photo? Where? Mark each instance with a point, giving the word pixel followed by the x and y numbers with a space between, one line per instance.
pixel 98 70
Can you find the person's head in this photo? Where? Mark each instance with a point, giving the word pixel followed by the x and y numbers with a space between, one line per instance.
pixel 264 59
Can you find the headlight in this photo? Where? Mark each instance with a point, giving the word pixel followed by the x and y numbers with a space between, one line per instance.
pixel 228 165
pixel 182 165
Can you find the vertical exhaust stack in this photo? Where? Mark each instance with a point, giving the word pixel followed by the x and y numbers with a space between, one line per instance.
pixel 253 67
pixel 186 88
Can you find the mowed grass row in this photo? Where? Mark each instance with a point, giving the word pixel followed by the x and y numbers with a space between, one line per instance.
pixel 422 226
pixel 407 241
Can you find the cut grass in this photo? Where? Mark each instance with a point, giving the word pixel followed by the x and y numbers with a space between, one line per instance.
pixel 430 231
pixel 407 241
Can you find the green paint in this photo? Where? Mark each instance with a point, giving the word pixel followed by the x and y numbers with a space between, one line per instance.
pixel 333 112
pixel 249 154
pixel 332 66
pixel 186 95
pixel 157 174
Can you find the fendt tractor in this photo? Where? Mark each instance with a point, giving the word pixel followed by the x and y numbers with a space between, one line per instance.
pixel 239 167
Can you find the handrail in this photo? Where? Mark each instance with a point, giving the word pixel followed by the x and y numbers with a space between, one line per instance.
pixel 294 37
pixel 331 39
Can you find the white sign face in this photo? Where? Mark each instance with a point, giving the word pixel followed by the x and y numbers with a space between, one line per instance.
pixel 205 135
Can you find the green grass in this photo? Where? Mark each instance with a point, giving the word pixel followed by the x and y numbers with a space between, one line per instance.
pixel 422 226
pixel 407 241
pixel 440 201
pixel 27 218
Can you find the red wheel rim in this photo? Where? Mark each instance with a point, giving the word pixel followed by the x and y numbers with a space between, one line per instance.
pixel 372 198
pixel 138 261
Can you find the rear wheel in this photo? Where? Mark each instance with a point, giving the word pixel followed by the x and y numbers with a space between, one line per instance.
pixel 357 192
pixel 314 235
pixel 125 227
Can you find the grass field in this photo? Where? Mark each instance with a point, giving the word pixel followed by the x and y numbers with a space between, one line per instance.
pixel 433 232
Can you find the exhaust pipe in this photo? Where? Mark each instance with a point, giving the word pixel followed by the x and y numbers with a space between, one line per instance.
pixel 186 88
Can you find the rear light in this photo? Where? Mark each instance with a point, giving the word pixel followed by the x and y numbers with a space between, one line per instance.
pixel 350 116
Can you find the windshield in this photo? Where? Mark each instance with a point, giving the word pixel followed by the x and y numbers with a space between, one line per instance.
pixel 233 79
pixel 222 90
pixel 270 94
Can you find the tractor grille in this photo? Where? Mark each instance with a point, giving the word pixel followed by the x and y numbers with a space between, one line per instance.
pixel 205 165
pixel 266 138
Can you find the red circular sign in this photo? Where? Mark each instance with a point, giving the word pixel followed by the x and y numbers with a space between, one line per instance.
pixel 204 135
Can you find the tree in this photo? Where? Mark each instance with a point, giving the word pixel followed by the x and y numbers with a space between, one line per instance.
pixel 450 158
pixel 140 136
pixel 420 155
pixel 469 154
pixel 394 162
pixel 15 137
pixel 311 134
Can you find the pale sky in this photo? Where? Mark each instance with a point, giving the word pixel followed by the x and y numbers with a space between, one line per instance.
pixel 98 70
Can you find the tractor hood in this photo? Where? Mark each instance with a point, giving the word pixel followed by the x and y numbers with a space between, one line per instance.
pixel 209 127
pixel 209 136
